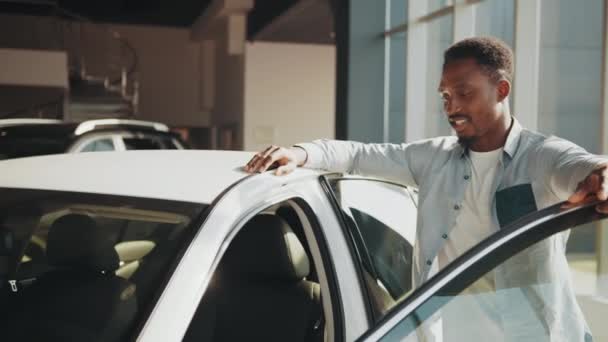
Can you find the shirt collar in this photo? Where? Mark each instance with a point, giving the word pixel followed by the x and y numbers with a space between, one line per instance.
pixel 511 143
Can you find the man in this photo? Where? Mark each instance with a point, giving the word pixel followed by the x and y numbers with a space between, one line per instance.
pixel 492 173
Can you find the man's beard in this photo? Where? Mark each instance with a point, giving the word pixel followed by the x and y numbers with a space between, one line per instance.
pixel 466 142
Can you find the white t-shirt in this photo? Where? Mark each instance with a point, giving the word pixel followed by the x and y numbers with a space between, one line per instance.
pixel 473 224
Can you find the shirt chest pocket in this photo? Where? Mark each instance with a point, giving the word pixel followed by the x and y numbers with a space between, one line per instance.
pixel 514 202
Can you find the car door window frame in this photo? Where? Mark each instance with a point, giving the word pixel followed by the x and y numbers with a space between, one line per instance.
pixel 485 256
pixel 325 269
pixel 355 240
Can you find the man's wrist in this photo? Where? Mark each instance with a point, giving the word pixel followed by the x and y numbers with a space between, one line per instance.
pixel 301 154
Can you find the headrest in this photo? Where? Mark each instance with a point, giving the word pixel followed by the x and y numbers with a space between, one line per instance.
pixel 75 241
pixel 266 247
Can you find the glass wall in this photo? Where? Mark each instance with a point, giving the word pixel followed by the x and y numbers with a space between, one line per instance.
pixel 496 18
pixel 440 37
pixel 570 94
pixel 571 61
pixel 396 73
pixel 566 37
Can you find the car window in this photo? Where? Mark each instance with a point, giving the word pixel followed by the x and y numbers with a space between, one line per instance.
pixel 265 275
pixel 85 266
pixel 171 144
pixel 150 143
pixel 538 288
pixel 99 145
pixel 33 140
pixel 381 218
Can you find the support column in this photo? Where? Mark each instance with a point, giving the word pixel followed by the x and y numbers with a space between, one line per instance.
pixel 464 20
pixel 416 80
pixel 527 57
pixel 360 78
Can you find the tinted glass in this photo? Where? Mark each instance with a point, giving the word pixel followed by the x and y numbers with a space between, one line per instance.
pixel 383 236
pixel 85 266
pixel 33 140
pixel 150 143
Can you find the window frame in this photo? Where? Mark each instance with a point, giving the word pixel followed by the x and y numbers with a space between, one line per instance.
pixel 311 223
pixel 349 230
pixel 488 254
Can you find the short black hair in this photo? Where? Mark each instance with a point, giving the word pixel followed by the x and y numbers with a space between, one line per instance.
pixel 494 55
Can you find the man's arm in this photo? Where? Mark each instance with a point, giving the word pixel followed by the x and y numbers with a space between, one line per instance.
pixel 572 173
pixel 394 162
pixel 397 162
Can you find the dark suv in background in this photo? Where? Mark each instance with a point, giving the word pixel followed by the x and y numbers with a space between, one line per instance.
pixel 32 137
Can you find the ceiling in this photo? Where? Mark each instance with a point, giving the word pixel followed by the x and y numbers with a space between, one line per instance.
pixel 307 21
pixel 180 13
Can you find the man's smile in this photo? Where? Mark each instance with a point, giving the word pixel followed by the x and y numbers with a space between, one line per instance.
pixel 459 122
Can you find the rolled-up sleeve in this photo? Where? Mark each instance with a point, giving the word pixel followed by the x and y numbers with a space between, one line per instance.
pixel 395 162
pixel 564 164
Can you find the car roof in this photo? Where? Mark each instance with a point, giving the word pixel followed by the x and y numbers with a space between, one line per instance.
pixel 27 121
pixel 55 128
pixel 183 175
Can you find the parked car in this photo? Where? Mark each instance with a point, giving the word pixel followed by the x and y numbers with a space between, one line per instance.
pixel 31 137
pixel 185 246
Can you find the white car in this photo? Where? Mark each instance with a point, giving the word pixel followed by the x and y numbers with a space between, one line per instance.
pixel 185 246
pixel 32 137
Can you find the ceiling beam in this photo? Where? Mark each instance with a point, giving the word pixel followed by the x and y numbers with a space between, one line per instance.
pixel 206 25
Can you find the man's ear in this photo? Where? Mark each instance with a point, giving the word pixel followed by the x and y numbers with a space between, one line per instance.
pixel 503 89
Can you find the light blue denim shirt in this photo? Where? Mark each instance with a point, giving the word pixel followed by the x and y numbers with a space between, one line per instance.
pixel 440 168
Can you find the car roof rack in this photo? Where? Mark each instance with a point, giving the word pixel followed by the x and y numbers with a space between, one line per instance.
pixel 90 125
pixel 27 121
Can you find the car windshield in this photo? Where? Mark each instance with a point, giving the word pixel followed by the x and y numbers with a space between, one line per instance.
pixel 78 266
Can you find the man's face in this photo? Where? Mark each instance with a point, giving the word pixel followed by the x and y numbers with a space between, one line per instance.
pixel 470 99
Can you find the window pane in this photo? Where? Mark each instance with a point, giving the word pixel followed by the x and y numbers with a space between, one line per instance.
pixel 99 146
pixel 570 75
pixel 169 143
pixel 397 73
pixel 85 265
pixel 263 276
pixel 33 140
pixel 142 144
pixel 434 5
pixel 383 235
pixel 496 18
pixel 548 291
pixel 440 37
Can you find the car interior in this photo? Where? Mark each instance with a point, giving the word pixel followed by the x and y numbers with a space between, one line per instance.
pixel 265 287
pixel 58 302
pixel 64 256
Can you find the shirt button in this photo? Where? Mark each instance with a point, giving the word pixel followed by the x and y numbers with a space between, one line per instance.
pixel 466 177
pixel 445 236
pixel 429 262
pixel 456 207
